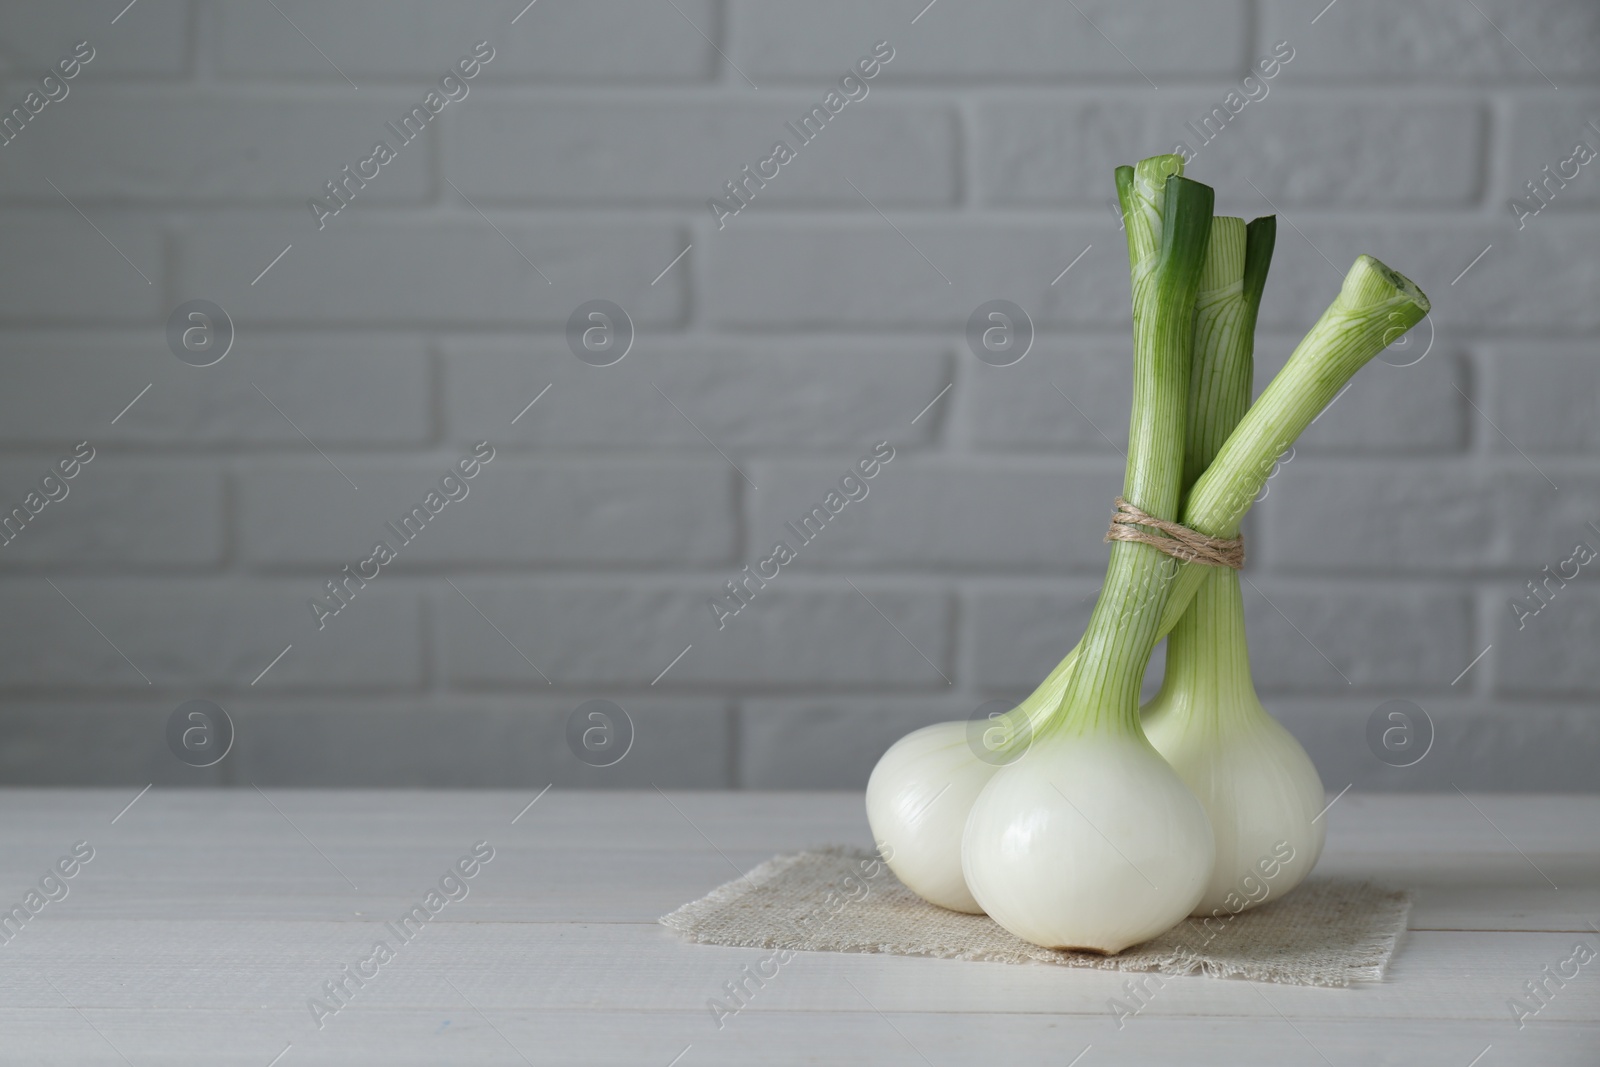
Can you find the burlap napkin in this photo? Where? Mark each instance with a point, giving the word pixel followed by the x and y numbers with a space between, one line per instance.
pixel 1326 932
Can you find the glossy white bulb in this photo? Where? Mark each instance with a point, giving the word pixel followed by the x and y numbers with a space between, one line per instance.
pixel 917 803
pixel 1087 843
pixel 1259 789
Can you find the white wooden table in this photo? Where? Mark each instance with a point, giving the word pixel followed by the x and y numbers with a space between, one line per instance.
pixel 207 921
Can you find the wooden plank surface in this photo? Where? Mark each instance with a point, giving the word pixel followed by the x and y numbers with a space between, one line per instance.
pixel 207 921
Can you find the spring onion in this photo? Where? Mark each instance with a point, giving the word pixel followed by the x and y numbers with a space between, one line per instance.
pixel 1260 790
pixel 1092 840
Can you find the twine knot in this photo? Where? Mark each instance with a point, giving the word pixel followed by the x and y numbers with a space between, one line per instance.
pixel 1175 539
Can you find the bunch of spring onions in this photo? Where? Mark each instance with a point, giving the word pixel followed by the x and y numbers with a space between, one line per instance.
pixel 1075 820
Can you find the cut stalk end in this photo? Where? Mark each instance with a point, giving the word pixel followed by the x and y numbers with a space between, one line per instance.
pixel 1371 283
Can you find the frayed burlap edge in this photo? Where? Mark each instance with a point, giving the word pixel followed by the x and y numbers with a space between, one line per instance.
pixel 1327 932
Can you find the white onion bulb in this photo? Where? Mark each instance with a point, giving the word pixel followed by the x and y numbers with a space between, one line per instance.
pixel 1089 842
pixel 1258 786
pixel 1259 789
pixel 922 789
pixel 917 803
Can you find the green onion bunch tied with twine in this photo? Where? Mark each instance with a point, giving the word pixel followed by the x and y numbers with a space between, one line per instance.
pixel 1078 820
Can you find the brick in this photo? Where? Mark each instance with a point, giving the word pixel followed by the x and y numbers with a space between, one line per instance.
pixel 771 394
pixel 1380 517
pixel 550 42
pixel 1542 522
pixel 1543 132
pixel 1546 397
pixel 209 633
pixel 864 274
pixel 117 512
pixel 331 276
pixel 1059 152
pixel 1068 393
pixel 1414 516
pixel 625 633
pixel 1493 294
pixel 153 44
pixel 224 147
pixel 474 742
pixel 1389 408
pixel 1378 637
pixel 83 743
pixel 1553 653
pixel 1537 607
pixel 516 512
pixel 53 266
pixel 830 742
pixel 961 515
pixel 1477 745
pixel 895 153
pixel 1010 40
pixel 1437 40
pixel 1302 151
pixel 72 385
pixel 349 742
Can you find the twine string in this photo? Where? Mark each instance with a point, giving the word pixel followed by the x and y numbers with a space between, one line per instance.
pixel 1174 539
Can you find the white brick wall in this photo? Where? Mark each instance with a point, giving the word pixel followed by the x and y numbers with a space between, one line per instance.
pixel 816 322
